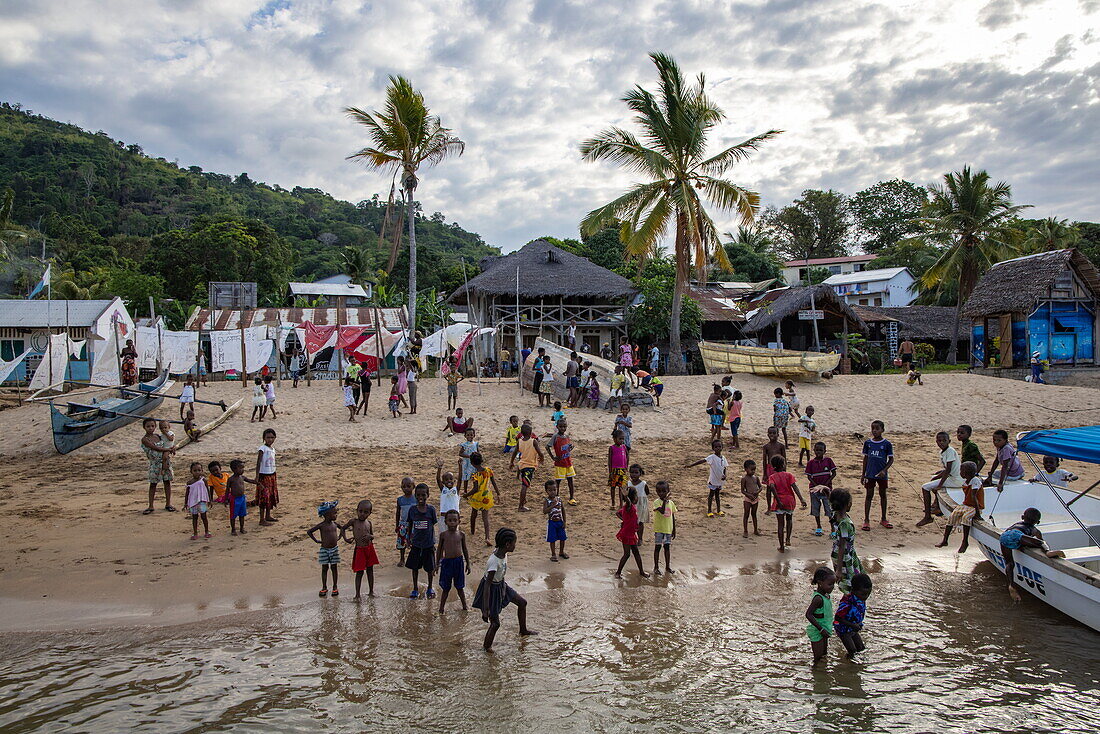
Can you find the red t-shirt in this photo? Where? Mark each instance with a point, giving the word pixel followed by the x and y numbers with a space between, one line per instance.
pixel 563 449
pixel 783 483
pixel 819 471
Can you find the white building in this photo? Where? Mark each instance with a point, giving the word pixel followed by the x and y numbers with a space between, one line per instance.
pixel 794 271
pixel 335 291
pixel 887 287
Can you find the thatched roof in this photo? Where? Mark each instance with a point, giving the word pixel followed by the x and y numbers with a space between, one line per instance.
pixel 1015 286
pixel 778 304
pixel 546 271
pixel 917 322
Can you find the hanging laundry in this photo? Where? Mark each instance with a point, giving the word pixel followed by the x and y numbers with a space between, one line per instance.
pixel 106 362
pixel 51 370
pixel 318 337
pixel 6 368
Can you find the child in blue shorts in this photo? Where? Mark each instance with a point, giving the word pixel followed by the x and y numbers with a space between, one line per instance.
pixel 238 501
pixel 554 509
pixel 454 560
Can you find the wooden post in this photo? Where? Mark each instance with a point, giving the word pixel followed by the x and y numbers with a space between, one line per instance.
pixel 779 334
pixel 339 351
pixel 378 344
pixel 279 351
pixel 198 361
pixel 244 352
pixel 309 362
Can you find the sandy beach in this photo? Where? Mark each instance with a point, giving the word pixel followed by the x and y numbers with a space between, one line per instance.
pixel 76 550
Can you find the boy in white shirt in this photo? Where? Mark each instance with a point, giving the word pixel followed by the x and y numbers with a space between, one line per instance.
pixel 948 477
pixel 806 427
pixel 1051 474
pixel 717 477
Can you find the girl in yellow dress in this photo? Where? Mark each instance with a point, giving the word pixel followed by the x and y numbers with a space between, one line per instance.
pixel 481 494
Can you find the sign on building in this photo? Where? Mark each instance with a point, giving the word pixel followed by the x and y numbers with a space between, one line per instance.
pixel 811 315
pixel 232 295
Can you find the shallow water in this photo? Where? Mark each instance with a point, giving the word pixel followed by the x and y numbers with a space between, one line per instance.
pixel 691 655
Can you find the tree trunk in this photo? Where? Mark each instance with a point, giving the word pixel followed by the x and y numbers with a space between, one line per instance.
pixel 952 352
pixel 410 187
pixel 675 353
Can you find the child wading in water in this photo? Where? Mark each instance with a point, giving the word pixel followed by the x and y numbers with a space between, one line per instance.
pixel 717 465
pixel 820 472
pixel 820 613
pixel 848 622
pixel 664 527
pixel 846 563
pixel 1023 534
pixel 198 499
pixel 493 593
pixel 782 490
pixel 618 459
pixel 554 509
pixel 963 514
pixel 482 494
pixel 454 561
pixel 328 555
pixel 628 534
pixel 750 493
pixel 365 558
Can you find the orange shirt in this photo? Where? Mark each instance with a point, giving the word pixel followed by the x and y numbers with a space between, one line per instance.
pixel 216 483
pixel 974 493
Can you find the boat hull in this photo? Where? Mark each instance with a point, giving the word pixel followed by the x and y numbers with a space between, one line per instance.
pixel 71 432
pixel 804 366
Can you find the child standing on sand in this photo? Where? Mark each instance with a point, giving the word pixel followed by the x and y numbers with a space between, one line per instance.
pixel 395 397
pixel 716 413
pixel 349 398
pixel 259 401
pixel 216 481
pixel 482 494
pixel 554 509
pixel 848 622
pixel 772 449
pixel 846 562
pixel 820 613
pixel 664 527
pixel 640 488
pixel 628 534
pixel 454 560
pixel 511 434
pixel 365 558
pixel 267 482
pixel 465 450
pixel 973 502
pixel 592 391
pixel 561 451
pixel 448 493
pixel 198 499
pixel 618 459
pixel 529 453
pixel 624 423
pixel 806 427
pixel 781 413
pixel 715 479
pixel 187 396
pixel 792 399
pixel 750 494
pixel 733 415
pixel 820 473
pixel 782 490
pixel 329 553
pixel 493 593
pixel 238 500
pixel 269 395
pixel 401 519
pixel 421 532
pixel 878 457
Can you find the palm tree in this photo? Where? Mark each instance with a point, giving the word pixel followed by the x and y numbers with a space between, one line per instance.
pixel 404 135
pixel 8 235
pixel 751 238
pixel 356 263
pixel 671 153
pixel 972 221
pixel 1051 234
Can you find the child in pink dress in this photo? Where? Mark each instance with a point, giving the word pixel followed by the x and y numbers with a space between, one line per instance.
pixel 628 533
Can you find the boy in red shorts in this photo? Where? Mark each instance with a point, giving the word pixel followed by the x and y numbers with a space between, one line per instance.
pixel 365 558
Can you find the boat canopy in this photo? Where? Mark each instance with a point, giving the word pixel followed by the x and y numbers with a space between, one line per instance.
pixel 1079 444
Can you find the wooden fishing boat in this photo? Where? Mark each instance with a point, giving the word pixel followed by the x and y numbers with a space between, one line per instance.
pixel 80 423
pixel 722 358
pixel 1070 523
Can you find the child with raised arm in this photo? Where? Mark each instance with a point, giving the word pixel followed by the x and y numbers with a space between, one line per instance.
pixel 238 500
pixel 733 415
pixel 781 413
pixel 717 465
pixel 820 613
pixel 846 562
pixel 364 558
pixel 635 482
pixel 1024 534
pixel 421 522
pixel 772 449
pixel 493 593
pixel 750 494
pixel 806 427
pixel 401 519
pixel 878 457
pixel 554 509
pixel 628 534
pixel 511 434
pixel 782 490
pixel 448 493
pixel 198 499
pixel 483 488
pixel 618 459
pixel 973 502
pixel 529 453
pixel 664 526
pixel 1051 474
pixel 465 450
pixel 267 481
pixel 848 622
pixel 328 555
pixel 561 451
pixel 820 473
pixel 948 477
pixel 454 560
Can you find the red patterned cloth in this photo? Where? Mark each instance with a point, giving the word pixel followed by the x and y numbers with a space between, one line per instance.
pixel 267 490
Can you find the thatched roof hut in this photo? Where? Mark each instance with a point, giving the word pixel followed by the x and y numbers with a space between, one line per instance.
pixel 1016 286
pixel 545 271
pixel 915 322
pixel 776 305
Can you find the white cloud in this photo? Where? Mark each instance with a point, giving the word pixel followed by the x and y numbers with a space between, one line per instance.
pixel 864 90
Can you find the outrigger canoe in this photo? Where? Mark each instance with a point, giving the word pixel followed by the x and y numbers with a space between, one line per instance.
pixel 80 423
pixel 1071 524
pixel 722 358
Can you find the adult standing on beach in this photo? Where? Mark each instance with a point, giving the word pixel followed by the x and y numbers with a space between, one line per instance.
pixel 129 363
pixel 905 352
pixel 411 381
pixel 536 381
pixel 626 355
pixel 402 380
pixel 160 464
pixel 654 358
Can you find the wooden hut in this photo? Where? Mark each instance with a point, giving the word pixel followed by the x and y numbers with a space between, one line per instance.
pixel 539 289
pixel 932 325
pixel 773 319
pixel 1045 303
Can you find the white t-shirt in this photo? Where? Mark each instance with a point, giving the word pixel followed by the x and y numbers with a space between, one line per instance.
pixel 448 499
pixel 717 466
pixel 410 375
pixel 267 459
pixel 808 426
pixel 1058 477
pixel 547 374
pixel 497 564
pixel 954 479
pixel 187 395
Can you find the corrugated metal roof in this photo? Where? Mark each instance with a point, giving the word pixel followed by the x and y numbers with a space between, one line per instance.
pixel 828 261
pixel 327 289
pixel 38 314
pixel 864 276
pixel 208 319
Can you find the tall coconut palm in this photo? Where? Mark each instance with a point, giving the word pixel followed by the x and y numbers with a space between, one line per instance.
pixel 8 234
pixel 357 263
pixel 971 220
pixel 671 153
pixel 1051 234
pixel 404 135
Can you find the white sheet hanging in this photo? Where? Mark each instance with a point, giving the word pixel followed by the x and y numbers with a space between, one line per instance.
pixel 148 346
pixel 6 368
pixel 54 363
pixel 105 361
pixel 178 349
pixel 75 348
pixel 436 344
pixel 258 353
pixel 225 350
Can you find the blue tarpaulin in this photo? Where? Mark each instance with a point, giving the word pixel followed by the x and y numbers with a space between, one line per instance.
pixel 1079 444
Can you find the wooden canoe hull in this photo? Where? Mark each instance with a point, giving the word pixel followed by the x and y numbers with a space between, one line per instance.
pixel 730 358
pixel 75 429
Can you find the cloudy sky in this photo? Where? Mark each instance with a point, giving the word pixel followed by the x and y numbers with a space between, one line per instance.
pixel 863 90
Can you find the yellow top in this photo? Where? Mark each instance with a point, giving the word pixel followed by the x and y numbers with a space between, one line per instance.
pixel 511 435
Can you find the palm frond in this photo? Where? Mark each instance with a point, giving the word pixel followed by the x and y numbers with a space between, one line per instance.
pixel 719 164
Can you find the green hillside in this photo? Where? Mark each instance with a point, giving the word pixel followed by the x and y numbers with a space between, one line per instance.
pixel 111 215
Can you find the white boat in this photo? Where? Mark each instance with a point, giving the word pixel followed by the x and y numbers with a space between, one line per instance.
pixel 1070 523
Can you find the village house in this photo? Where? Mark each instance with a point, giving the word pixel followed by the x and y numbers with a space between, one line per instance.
pixel 795 272
pixel 883 287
